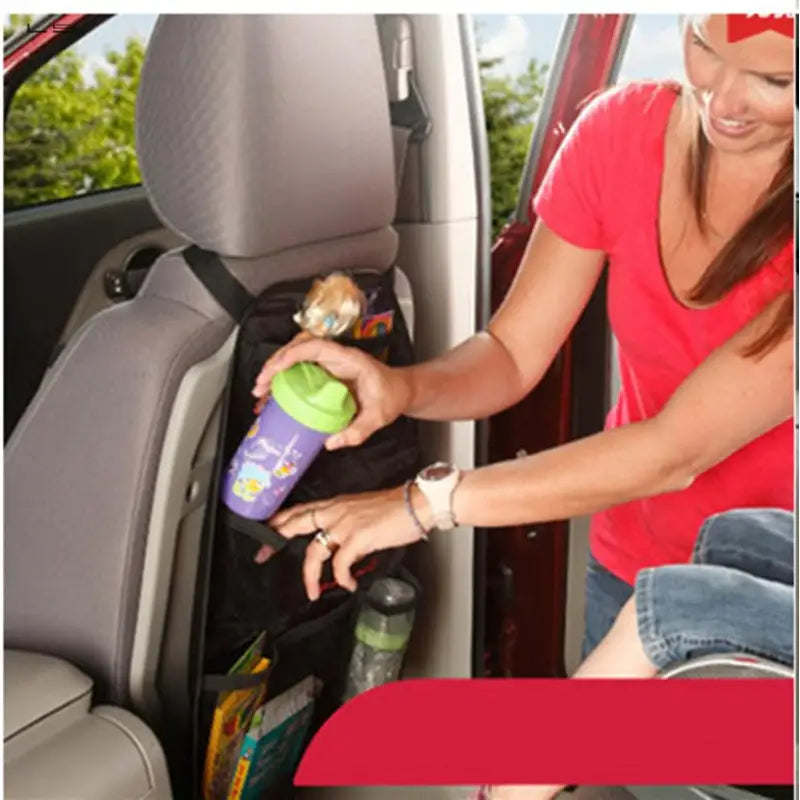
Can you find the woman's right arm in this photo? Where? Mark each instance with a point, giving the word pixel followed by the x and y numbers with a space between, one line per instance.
pixel 494 369
pixel 488 372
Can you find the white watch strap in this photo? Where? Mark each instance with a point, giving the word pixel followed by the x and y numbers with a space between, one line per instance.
pixel 439 495
pixel 444 519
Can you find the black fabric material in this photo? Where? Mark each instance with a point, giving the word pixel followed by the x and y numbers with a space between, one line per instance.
pixel 214 275
pixel 247 598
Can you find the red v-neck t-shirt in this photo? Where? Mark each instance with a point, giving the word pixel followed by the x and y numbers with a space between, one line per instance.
pixel 602 192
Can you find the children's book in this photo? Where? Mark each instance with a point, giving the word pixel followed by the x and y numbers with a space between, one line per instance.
pixel 232 717
pixel 274 743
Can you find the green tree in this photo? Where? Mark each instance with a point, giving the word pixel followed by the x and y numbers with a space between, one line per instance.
pixel 509 105
pixel 68 133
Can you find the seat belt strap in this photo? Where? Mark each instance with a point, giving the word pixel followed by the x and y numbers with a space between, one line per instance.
pixel 208 267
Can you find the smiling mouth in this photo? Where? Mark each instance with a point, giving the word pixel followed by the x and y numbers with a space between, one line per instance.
pixel 730 127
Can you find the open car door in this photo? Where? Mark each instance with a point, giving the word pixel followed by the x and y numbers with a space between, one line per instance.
pixel 526 567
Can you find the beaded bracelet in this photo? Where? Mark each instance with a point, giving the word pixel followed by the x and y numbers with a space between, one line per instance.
pixel 410 508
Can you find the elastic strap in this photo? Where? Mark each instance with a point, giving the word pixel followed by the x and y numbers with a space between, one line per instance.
pixel 260 531
pixel 232 683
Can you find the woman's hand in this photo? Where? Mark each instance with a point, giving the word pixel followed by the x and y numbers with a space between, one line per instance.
pixel 381 392
pixel 357 525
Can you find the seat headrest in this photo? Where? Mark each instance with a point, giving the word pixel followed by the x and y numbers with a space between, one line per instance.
pixel 256 133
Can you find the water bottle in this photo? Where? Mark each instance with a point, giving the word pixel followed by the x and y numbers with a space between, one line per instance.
pixel 306 405
pixel 381 637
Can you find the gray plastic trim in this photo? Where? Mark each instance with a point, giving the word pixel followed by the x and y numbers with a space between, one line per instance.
pixel 177 478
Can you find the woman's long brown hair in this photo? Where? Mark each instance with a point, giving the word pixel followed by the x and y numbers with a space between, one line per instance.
pixel 767 231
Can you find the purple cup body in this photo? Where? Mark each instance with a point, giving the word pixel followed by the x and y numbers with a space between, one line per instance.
pixel 272 457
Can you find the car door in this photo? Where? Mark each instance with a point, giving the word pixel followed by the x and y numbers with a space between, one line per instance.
pixel 79 230
pixel 526 566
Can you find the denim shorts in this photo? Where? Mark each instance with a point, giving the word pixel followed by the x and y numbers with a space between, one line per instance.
pixel 605 596
pixel 737 595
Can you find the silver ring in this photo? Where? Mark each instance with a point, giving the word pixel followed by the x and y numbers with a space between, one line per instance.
pixel 324 538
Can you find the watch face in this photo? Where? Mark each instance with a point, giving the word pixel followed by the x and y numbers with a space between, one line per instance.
pixel 436 472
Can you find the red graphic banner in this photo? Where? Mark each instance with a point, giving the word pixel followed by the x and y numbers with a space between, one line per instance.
pixel 741 26
pixel 459 732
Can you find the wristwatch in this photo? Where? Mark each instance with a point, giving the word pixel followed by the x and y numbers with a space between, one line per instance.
pixel 437 483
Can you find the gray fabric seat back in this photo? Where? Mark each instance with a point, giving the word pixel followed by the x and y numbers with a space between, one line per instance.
pixel 266 139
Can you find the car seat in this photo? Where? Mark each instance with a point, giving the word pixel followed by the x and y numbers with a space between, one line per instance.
pixel 266 139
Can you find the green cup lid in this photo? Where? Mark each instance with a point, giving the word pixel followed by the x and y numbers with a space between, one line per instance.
pixel 310 395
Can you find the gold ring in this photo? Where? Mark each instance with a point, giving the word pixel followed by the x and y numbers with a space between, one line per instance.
pixel 324 538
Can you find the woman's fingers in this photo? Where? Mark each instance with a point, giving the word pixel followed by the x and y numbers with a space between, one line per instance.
pixel 305 518
pixel 264 377
pixel 316 556
pixel 356 433
pixel 355 525
pixel 299 524
pixel 264 553
pixel 304 347
pixel 343 562
pixel 343 559
pixel 297 520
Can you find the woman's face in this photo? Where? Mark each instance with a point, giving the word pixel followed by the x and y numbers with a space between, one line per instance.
pixel 744 89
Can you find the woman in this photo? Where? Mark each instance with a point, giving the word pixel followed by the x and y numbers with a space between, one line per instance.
pixel 688 194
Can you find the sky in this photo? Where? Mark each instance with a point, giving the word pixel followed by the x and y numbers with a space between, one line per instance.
pixel 653 49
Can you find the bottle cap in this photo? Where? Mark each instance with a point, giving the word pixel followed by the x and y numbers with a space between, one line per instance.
pixel 391 596
pixel 308 394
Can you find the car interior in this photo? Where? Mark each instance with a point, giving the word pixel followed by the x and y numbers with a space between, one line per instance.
pixel 291 146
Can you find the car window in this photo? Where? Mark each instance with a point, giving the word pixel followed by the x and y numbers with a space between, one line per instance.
pixel 653 50
pixel 70 128
pixel 515 52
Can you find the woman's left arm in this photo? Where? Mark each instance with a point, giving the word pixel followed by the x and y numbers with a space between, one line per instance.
pixel 728 401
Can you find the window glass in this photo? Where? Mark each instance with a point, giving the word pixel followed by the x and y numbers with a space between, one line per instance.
pixel 70 128
pixel 654 49
pixel 515 52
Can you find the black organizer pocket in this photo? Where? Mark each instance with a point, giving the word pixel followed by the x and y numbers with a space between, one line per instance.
pixel 319 647
pixel 215 682
pixel 245 598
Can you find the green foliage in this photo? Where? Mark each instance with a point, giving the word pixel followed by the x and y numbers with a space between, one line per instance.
pixel 16 23
pixel 67 135
pixel 509 104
